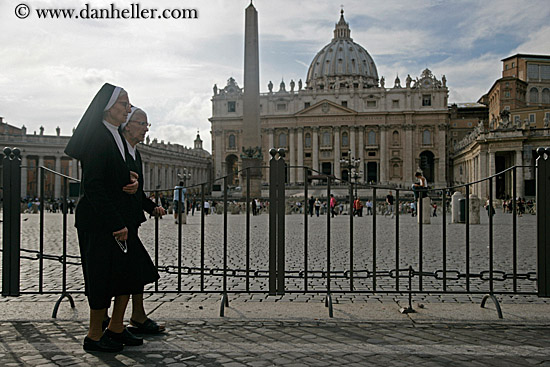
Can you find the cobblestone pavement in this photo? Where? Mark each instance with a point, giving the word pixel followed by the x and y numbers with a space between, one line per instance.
pixel 285 343
pixel 364 255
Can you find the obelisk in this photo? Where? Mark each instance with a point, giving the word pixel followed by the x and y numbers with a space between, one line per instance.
pixel 251 154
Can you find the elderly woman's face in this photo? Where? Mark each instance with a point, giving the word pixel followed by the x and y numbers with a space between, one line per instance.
pixel 137 127
pixel 120 110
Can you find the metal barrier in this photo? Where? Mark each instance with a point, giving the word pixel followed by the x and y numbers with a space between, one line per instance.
pixel 352 272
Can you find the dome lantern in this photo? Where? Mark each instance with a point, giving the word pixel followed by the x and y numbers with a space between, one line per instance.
pixel 342 63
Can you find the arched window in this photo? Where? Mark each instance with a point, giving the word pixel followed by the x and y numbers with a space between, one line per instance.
pixel 232 144
pixel 426 138
pixel 395 138
pixel 534 95
pixel 308 140
pixel 546 95
pixel 282 140
pixel 345 139
pixel 326 139
pixel 372 138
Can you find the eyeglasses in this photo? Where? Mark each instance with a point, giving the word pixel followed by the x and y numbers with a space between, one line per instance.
pixel 142 123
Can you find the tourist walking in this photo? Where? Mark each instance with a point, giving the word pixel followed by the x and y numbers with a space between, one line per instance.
pixel 368 204
pixel 389 202
pixel 179 202
pixel 317 206
pixel 332 204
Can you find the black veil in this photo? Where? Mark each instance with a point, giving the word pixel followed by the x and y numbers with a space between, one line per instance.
pixel 89 123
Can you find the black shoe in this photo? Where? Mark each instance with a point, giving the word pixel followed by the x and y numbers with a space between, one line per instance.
pixel 105 323
pixel 104 344
pixel 126 337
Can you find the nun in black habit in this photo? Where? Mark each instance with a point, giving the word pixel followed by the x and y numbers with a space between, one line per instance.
pixel 105 219
pixel 133 131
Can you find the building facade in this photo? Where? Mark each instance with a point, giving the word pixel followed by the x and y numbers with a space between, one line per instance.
pixel 162 161
pixel 344 109
pixel 518 123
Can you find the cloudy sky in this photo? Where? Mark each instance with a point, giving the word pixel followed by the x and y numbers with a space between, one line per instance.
pixel 51 69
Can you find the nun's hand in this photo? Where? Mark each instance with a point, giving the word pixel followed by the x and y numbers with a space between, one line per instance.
pixel 121 235
pixel 159 211
pixel 132 187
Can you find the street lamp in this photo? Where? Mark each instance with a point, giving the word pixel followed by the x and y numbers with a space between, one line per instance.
pixel 352 164
pixel 184 176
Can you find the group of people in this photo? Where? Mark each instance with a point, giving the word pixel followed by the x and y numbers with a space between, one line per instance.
pixel 521 206
pixel 108 215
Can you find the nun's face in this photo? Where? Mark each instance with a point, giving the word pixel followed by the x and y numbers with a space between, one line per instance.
pixel 120 109
pixel 137 127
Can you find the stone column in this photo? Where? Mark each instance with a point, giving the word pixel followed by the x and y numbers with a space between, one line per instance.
pixel 57 179
pixel 336 151
pixel 155 180
pixel 316 150
pixel 300 154
pixel 146 178
pixel 38 176
pixel 218 148
pixel 24 171
pixel 352 142
pixel 74 169
pixel 483 172
pixel 492 171
pixel 474 205
pixel 292 156
pixel 383 155
pixel 270 139
pixel 519 174
pixel 442 154
pixel 361 153
pixel 409 161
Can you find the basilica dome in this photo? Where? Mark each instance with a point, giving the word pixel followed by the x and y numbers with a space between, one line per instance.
pixel 342 63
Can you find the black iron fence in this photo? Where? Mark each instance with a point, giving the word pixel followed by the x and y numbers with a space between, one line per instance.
pixel 276 253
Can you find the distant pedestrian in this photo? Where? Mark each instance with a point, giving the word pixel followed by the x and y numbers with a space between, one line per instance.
pixel 179 202
pixel 317 206
pixel 369 207
pixel 490 209
pixel 311 205
pixel 389 202
pixel 332 205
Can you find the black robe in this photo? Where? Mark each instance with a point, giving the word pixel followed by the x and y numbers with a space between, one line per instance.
pixel 104 208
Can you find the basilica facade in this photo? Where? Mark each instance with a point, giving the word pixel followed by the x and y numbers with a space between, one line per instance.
pixel 343 110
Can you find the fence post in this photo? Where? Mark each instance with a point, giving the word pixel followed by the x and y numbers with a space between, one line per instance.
pixel 276 222
pixel 11 222
pixel 543 216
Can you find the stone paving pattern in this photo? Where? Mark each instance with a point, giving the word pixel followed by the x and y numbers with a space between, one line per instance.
pixel 285 343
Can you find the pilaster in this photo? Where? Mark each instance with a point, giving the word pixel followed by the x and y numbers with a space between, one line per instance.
pixel 300 143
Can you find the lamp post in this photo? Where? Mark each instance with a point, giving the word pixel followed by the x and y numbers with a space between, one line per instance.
pixel 352 164
pixel 186 175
